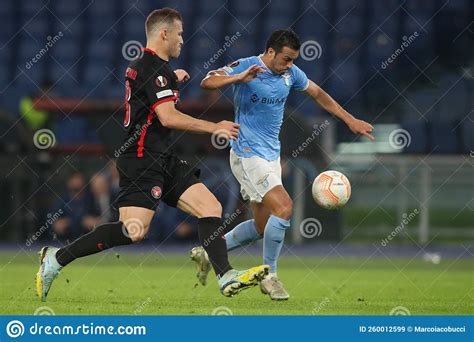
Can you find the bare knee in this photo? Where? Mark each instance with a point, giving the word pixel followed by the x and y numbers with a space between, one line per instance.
pixel 283 209
pixel 210 209
pixel 199 202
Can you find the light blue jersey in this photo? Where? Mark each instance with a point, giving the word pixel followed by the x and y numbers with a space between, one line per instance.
pixel 259 106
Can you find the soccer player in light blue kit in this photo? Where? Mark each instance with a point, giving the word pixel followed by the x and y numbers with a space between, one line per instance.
pixel 261 85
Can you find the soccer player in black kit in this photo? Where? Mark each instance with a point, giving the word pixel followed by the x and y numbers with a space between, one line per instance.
pixel 149 169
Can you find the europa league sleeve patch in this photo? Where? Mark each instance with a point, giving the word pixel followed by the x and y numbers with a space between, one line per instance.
pixel 161 81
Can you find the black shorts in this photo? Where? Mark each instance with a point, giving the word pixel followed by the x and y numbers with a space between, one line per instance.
pixel 147 180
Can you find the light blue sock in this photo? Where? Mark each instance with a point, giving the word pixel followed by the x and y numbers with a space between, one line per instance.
pixel 243 234
pixel 273 239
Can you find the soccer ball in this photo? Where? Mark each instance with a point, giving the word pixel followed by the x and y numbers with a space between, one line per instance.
pixel 331 190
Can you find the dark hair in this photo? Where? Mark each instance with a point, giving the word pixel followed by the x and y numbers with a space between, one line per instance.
pixel 164 15
pixel 281 38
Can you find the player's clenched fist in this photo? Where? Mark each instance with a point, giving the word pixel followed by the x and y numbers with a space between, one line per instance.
pixel 227 129
pixel 182 75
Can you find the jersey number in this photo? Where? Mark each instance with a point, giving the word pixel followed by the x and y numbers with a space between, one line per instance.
pixel 126 121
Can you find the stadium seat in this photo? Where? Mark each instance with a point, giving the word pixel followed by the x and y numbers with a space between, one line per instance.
pixel 67 71
pixel 323 9
pixel 276 23
pixel 249 31
pixel 72 130
pixel 457 4
pixel 102 51
pixel 64 8
pixel 281 7
pixel 95 74
pixel 211 8
pixel 350 26
pixel 419 136
pixel 245 7
pixel 100 8
pixel 212 28
pixel 31 8
pixel 443 138
pixel 71 26
pixel 467 135
pixel 4 77
pixel 454 104
pixel 7 8
pixel 382 10
pixel 133 24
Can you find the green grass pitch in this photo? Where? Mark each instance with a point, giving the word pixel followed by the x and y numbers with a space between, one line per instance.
pixel 158 284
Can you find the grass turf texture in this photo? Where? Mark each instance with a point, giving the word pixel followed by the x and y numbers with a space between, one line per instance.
pixel 156 284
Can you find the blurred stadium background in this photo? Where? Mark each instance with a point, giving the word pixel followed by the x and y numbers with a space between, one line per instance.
pixel 62 69
pixel 405 66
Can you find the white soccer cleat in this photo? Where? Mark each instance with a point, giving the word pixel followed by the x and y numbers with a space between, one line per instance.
pixel 203 265
pixel 48 271
pixel 273 287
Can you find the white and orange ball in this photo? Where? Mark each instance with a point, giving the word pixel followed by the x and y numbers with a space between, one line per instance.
pixel 331 190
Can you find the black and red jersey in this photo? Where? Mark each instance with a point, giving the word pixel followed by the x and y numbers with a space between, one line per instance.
pixel 149 82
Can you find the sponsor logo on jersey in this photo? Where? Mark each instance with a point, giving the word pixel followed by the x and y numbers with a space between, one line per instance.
pixel 266 100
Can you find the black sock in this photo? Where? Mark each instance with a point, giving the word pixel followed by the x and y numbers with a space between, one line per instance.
pixel 211 232
pixel 103 237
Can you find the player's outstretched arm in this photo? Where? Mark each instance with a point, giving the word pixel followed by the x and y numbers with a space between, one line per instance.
pixel 172 118
pixel 216 79
pixel 328 103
